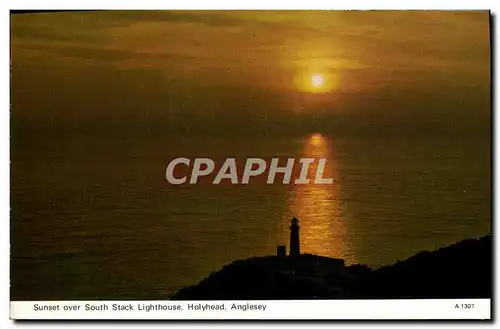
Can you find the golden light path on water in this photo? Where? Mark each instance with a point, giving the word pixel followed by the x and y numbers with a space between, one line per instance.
pixel 323 230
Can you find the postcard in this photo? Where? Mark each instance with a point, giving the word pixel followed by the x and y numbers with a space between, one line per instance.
pixel 251 164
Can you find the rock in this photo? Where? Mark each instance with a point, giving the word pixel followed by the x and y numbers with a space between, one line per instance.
pixel 462 270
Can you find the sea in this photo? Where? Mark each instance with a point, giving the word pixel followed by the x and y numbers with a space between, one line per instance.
pixel 93 217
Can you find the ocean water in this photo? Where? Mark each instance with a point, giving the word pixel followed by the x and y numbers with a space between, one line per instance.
pixel 92 217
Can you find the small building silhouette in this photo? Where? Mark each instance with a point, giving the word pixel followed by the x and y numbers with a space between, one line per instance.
pixel 294 238
pixel 281 251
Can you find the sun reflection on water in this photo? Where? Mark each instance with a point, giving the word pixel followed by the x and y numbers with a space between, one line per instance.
pixel 318 207
pixel 316 140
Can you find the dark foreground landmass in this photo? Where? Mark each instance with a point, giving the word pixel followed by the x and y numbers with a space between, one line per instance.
pixel 462 270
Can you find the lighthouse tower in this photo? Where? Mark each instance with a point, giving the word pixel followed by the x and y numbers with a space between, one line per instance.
pixel 294 238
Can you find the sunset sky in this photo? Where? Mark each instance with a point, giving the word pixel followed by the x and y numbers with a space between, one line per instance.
pixel 216 65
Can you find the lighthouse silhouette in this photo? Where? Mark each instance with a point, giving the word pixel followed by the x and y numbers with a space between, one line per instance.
pixel 294 238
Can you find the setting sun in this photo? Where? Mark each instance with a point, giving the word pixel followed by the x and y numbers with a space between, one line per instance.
pixel 317 81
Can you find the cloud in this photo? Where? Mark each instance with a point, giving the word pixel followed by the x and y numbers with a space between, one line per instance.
pixel 260 45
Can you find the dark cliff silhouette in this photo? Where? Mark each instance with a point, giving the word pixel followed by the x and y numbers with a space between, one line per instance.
pixel 462 270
